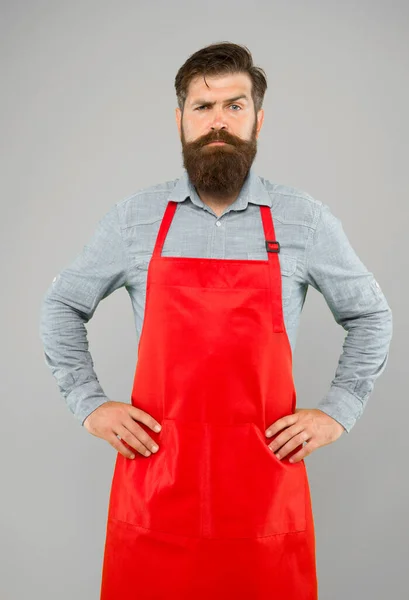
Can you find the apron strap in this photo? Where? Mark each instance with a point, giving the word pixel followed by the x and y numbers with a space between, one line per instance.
pixel 272 247
pixel 164 227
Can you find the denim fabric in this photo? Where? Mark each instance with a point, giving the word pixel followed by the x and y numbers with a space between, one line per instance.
pixel 314 251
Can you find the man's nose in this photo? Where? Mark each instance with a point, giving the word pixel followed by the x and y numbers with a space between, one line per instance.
pixel 218 120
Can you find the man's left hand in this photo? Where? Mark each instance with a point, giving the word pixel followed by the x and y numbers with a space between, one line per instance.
pixel 309 425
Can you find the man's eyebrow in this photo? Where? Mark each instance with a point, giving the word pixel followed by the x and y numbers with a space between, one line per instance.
pixel 206 103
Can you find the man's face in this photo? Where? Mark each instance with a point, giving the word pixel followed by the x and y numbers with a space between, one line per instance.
pixel 223 111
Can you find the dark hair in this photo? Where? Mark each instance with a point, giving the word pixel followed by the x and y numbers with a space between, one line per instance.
pixel 218 59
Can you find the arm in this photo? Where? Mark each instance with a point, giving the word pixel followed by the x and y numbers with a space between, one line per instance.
pixel 360 307
pixel 70 302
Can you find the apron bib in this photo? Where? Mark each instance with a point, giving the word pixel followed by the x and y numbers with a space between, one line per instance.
pixel 213 514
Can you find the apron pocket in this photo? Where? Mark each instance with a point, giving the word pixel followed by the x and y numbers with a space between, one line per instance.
pixel 210 480
pixel 251 493
pixel 161 492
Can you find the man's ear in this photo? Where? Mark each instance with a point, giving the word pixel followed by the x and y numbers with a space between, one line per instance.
pixel 260 119
pixel 178 115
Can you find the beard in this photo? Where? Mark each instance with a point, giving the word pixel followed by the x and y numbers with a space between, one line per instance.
pixel 219 170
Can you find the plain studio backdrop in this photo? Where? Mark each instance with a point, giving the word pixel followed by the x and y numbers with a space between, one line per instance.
pixel 87 118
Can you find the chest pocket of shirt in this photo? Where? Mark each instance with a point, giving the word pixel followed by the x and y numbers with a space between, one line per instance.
pixel 288 266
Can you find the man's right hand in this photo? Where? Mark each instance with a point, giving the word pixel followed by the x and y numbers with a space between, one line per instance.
pixel 113 419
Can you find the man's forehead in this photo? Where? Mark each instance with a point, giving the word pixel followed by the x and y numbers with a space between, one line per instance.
pixel 226 86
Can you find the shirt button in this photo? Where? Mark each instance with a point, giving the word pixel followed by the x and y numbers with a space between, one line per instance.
pixel 218 223
pixel 55 279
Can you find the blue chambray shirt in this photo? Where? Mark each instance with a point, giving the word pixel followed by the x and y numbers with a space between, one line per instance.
pixel 314 251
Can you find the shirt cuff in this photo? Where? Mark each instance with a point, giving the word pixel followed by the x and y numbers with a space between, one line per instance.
pixel 343 406
pixel 85 398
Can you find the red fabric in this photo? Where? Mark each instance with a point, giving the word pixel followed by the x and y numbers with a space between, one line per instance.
pixel 213 514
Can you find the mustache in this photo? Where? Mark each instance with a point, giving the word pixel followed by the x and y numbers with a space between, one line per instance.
pixel 219 137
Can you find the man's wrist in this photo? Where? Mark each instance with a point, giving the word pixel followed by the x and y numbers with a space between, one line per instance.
pixel 343 406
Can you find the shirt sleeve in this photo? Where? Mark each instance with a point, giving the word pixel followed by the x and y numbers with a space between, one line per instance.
pixel 70 302
pixel 360 307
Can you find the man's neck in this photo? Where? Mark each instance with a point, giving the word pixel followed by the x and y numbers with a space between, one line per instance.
pixel 217 204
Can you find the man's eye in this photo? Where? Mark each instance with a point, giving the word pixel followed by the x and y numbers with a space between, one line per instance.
pixel 204 106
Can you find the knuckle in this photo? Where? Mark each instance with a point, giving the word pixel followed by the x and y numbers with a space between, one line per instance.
pixel 134 442
pixel 143 450
pixel 139 447
pixel 119 447
pixel 148 441
pixel 113 444
pixel 279 444
pixel 138 412
pixel 135 432
pixel 134 413
pixel 142 436
pixel 116 444
pixel 141 414
pixel 124 450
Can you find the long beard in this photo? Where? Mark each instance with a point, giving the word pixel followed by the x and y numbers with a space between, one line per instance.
pixel 219 170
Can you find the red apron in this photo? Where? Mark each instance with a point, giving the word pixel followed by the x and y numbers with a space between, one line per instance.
pixel 213 514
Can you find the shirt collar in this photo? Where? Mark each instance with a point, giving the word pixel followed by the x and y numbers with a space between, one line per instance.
pixel 253 190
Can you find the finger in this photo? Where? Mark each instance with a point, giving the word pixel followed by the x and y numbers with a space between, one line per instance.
pixel 113 440
pixel 140 434
pixel 293 443
pixel 140 415
pixel 305 451
pixel 131 440
pixel 287 434
pixel 281 423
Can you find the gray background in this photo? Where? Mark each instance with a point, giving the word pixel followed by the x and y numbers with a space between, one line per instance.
pixel 87 118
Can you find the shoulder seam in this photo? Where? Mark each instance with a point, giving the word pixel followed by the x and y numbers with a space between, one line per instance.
pixel 124 247
pixel 310 241
pixel 304 196
pixel 146 191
